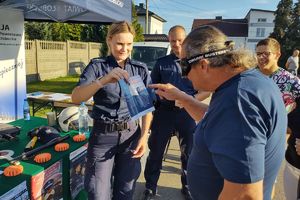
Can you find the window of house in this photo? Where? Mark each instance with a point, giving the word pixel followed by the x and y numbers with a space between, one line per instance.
pixel 260 32
pixel 262 20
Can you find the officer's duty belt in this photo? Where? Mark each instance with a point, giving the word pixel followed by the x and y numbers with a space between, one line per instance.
pixel 107 127
pixel 169 108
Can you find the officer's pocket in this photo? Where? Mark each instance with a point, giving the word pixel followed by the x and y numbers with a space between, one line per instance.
pixel 111 88
pixel 167 74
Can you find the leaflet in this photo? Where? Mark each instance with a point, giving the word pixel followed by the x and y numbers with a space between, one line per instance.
pixel 138 99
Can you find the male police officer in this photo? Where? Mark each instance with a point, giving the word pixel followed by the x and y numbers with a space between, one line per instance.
pixel 168 118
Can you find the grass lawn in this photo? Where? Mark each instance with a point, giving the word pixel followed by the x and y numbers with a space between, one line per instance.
pixel 59 85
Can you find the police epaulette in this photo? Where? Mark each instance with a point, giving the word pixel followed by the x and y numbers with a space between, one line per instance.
pixel 138 63
pixel 97 60
pixel 161 58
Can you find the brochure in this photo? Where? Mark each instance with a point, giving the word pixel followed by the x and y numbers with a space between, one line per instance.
pixel 138 99
pixel 77 170
pixel 47 184
pixel 19 192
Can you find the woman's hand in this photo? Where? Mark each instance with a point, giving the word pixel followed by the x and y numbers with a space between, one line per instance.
pixel 141 147
pixel 115 75
pixel 168 91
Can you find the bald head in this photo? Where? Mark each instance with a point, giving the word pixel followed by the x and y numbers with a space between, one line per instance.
pixel 176 37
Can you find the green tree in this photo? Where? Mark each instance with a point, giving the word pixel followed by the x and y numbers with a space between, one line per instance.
pixel 137 27
pixel 63 31
pixel 52 31
pixel 282 19
pixel 35 30
pixel 293 33
pixel 95 33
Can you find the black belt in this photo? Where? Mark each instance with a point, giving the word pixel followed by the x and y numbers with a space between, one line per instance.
pixel 110 127
pixel 169 108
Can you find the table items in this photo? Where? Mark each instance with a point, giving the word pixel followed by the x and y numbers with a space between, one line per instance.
pixel 8 132
pixel 39 178
pixel 13 170
pixel 61 147
pixel 51 117
pixel 79 138
pixel 42 157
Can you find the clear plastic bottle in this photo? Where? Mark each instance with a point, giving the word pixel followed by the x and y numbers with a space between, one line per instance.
pixel 83 120
pixel 26 110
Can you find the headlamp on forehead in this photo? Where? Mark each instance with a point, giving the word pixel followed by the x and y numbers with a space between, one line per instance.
pixel 186 63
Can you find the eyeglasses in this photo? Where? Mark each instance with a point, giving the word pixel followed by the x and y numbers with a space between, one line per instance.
pixel 263 54
pixel 186 63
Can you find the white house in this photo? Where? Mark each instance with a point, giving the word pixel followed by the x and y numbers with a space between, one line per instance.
pixel 155 22
pixel 235 29
pixel 260 25
pixel 257 25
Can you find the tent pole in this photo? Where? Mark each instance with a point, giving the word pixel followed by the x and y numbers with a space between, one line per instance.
pixel 147 16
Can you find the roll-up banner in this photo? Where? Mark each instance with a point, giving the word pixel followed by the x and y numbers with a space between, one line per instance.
pixel 12 65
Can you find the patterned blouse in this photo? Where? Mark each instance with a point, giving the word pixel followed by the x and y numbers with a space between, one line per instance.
pixel 289 86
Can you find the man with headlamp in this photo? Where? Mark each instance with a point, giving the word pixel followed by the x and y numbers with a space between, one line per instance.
pixel 238 144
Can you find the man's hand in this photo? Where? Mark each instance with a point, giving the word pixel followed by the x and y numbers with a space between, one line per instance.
pixel 140 148
pixel 167 91
pixel 237 191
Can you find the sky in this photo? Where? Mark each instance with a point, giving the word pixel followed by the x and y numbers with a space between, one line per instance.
pixel 183 12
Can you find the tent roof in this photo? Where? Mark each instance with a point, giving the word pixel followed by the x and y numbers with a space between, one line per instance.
pixel 87 11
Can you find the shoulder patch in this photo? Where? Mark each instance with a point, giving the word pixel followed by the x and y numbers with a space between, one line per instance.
pixel 98 60
pixel 167 57
pixel 138 64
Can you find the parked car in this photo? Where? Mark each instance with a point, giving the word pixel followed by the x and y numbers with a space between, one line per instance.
pixel 149 52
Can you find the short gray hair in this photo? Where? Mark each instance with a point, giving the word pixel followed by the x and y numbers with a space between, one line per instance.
pixel 207 39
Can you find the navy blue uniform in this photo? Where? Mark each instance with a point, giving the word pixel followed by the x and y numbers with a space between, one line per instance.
pixel 167 119
pixel 113 136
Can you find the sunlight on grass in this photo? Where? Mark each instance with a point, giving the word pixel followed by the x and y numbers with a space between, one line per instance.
pixel 59 85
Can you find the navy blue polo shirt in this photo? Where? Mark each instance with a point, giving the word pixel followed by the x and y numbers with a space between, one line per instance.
pixel 109 102
pixel 168 70
pixel 241 138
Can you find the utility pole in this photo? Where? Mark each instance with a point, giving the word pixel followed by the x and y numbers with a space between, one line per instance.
pixel 146 22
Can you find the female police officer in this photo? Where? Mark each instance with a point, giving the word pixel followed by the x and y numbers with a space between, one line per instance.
pixel 116 142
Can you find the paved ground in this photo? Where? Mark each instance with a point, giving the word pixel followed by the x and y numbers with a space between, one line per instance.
pixel 169 183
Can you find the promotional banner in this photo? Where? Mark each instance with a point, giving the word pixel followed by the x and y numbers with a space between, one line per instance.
pixel 99 11
pixel 12 65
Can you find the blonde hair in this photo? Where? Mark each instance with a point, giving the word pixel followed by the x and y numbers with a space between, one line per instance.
pixel 119 27
pixel 208 38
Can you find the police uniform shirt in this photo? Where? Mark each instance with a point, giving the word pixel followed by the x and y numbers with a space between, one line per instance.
pixel 109 103
pixel 168 70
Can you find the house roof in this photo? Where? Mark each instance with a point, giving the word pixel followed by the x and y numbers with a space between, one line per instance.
pixel 260 10
pixel 141 11
pixel 230 27
pixel 156 37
